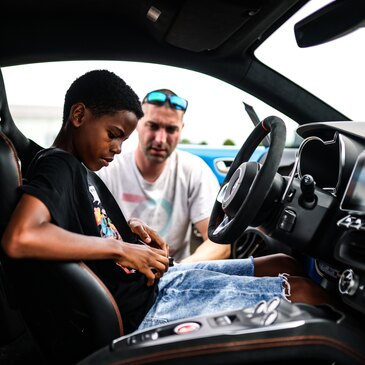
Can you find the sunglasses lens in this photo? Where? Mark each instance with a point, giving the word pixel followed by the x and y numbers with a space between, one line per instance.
pixel 156 97
pixel 160 98
pixel 178 103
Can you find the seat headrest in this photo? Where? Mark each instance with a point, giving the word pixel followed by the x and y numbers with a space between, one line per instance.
pixel 11 179
pixel 26 148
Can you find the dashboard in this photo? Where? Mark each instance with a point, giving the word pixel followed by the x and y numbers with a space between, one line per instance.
pixel 332 228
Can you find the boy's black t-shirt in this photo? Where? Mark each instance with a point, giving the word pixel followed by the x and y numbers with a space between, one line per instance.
pixel 60 181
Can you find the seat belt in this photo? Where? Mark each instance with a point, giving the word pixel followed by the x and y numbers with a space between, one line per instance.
pixel 114 211
pixel 112 207
pixel 255 119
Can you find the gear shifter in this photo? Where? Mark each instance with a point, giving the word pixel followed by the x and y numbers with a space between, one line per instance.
pixel 308 198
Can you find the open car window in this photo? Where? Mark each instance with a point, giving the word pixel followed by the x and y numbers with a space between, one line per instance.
pixel 215 114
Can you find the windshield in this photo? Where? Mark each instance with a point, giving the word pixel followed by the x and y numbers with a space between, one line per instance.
pixel 333 71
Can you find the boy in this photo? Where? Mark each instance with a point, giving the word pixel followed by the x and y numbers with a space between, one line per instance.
pixel 100 113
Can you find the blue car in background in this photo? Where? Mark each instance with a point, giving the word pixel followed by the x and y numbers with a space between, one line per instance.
pixel 219 159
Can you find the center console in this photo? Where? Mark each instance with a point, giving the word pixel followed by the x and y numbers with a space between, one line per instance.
pixel 276 331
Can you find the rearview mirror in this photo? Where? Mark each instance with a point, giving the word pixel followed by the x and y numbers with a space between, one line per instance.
pixel 334 20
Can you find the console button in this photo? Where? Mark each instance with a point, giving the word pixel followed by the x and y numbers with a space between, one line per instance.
pixel 273 304
pixel 287 220
pixel 290 195
pixel 187 327
pixel 149 336
pixel 133 340
pixel 356 224
pixel 270 318
pixel 348 282
pixel 223 320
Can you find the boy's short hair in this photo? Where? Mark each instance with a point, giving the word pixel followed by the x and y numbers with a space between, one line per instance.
pixel 103 92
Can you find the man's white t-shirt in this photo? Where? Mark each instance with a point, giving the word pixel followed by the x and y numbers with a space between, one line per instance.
pixel 183 194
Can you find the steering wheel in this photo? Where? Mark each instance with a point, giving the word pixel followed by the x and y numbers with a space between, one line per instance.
pixel 247 184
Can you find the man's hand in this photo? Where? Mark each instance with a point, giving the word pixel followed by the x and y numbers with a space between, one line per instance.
pixel 148 235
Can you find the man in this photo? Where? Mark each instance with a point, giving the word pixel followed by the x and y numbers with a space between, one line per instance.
pixel 168 189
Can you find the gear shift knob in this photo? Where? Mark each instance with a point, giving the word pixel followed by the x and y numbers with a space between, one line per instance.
pixel 307 185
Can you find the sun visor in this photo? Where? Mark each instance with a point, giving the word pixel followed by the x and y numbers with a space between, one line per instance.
pixel 202 25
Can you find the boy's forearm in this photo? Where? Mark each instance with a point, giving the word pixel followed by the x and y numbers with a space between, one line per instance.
pixel 50 242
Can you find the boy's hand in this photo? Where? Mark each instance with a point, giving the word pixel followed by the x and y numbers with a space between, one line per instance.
pixel 149 261
pixel 148 235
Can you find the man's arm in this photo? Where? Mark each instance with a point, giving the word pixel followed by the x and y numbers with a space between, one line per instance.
pixel 208 250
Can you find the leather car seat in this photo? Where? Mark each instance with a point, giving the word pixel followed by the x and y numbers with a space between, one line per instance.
pixel 66 307
pixel 12 326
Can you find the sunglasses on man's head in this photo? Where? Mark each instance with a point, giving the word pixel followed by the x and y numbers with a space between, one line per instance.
pixel 160 98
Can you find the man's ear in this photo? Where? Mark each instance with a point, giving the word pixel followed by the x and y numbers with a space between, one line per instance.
pixel 77 114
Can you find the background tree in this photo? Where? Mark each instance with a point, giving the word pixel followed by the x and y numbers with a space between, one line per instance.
pixel 228 142
pixel 185 141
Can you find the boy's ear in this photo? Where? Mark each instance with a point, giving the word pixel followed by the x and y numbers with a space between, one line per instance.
pixel 77 114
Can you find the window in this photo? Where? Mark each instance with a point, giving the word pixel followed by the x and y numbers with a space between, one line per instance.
pixel 215 112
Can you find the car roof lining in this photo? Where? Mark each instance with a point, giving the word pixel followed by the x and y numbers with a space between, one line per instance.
pixel 207 26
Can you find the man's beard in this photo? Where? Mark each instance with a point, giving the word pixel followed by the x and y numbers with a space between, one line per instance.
pixel 159 158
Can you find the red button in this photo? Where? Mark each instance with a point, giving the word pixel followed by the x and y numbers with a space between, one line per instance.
pixel 188 327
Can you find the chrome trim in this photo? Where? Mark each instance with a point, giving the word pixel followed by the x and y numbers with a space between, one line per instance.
pixel 225 169
pixel 331 274
pixel 272 327
pixel 222 192
pixel 341 159
pixel 291 177
pixel 332 190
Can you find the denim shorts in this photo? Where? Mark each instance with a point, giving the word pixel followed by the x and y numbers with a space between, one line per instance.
pixel 203 288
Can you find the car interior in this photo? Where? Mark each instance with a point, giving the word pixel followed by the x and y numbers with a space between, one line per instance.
pixel 308 202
